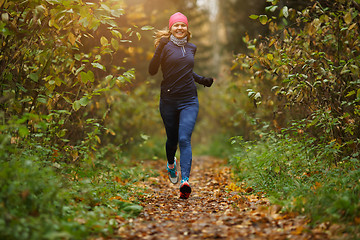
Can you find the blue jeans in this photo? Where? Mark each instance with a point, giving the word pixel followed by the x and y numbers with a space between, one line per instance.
pixel 179 119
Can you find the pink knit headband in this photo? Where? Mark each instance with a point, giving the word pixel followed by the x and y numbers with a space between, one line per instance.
pixel 177 17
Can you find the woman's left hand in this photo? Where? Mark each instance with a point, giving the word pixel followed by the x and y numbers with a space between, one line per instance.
pixel 208 82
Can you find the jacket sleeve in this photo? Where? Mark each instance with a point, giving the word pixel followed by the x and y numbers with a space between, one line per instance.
pixel 198 78
pixel 207 82
pixel 156 60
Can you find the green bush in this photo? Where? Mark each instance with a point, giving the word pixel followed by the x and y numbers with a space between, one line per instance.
pixel 300 174
pixel 307 71
pixel 31 199
pixel 42 199
pixel 306 68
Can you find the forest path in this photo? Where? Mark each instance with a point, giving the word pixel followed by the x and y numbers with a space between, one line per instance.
pixel 216 209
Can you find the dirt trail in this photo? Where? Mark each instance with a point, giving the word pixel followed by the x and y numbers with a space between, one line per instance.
pixel 215 210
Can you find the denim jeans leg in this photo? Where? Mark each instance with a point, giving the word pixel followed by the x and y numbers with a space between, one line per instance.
pixel 188 114
pixel 170 116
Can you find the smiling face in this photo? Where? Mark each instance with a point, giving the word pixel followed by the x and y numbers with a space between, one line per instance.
pixel 179 30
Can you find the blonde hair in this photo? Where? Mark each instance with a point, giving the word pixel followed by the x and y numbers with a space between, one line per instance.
pixel 166 33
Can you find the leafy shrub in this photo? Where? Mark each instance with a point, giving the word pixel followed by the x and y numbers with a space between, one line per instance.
pixel 300 176
pixel 60 56
pixel 31 198
pixel 132 116
pixel 307 68
pixel 41 199
pixel 303 79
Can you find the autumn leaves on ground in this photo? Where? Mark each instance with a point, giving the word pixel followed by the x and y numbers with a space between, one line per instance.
pixel 216 209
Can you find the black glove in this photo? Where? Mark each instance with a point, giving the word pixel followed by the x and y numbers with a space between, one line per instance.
pixel 207 82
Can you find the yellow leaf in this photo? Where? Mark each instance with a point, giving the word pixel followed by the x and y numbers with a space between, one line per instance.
pixel 138 35
pixel 316 23
pixel 348 17
pixel 71 38
pixel 51 22
pixel 270 56
pixel 104 41
pixel 352 26
pixel 234 188
pixel 117 179
pixel 298 230
pixel 111 132
pixel 311 29
pixel 5 17
pixel 272 42
pixel 263 19
pixel 115 44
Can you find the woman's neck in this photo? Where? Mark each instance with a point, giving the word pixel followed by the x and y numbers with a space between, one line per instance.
pixel 178 41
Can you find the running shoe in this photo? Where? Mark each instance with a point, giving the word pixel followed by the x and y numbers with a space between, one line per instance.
pixel 185 188
pixel 172 172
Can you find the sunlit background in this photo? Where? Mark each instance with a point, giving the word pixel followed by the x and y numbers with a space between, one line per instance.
pixel 218 29
pixel 100 72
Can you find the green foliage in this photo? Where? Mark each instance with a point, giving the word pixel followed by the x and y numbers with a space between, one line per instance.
pixel 307 69
pixel 303 80
pixel 31 198
pixel 293 173
pixel 41 198
pixel 44 200
pixel 132 115
pixel 217 145
pixel 56 60
pixel 102 194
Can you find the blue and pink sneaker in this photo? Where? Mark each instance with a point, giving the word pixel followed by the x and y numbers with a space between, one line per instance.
pixel 185 188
